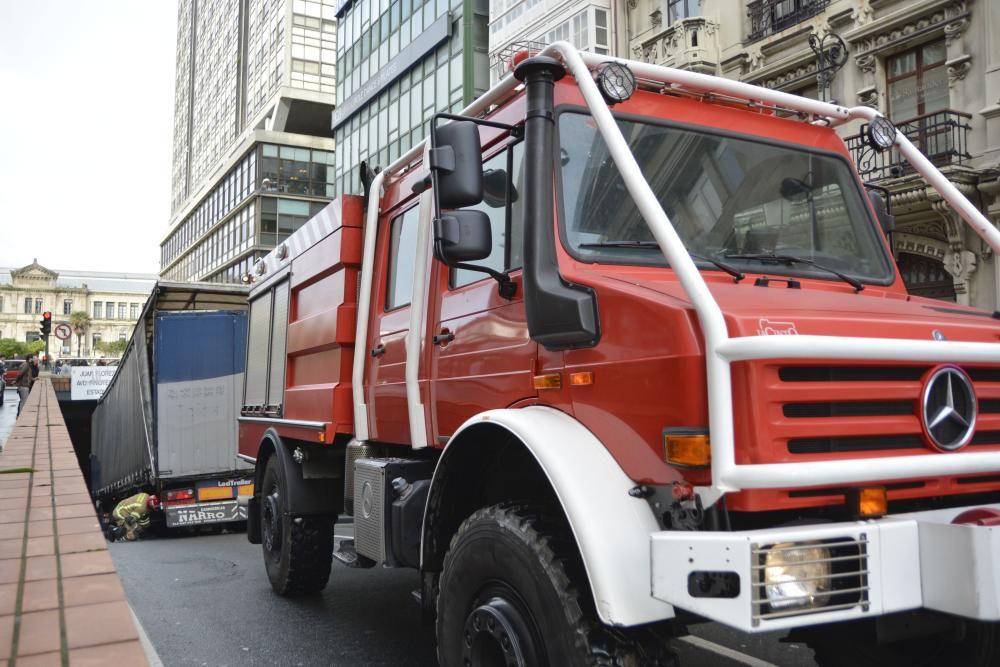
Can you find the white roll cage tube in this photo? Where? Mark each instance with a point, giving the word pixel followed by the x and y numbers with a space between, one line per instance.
pixel 720 349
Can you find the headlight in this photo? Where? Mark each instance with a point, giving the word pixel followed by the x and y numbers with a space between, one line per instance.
pixel 797 576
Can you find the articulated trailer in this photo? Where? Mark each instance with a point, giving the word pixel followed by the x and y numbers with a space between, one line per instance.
pixel 620 349
pixel 166 424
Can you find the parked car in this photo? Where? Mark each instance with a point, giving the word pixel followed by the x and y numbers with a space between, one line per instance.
pixel 10 371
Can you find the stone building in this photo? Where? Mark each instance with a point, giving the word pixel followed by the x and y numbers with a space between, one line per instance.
pixel 932 66
pixel 113 301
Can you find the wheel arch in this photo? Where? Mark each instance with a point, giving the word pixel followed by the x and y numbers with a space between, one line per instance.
pixel 305 496
pixel 553 457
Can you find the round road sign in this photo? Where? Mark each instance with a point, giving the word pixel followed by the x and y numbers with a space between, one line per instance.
pixel 63 331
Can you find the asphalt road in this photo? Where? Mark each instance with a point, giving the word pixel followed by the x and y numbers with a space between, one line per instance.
pixel 205 600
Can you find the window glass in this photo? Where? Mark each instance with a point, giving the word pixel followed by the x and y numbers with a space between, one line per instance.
pixel 758 206
pixel 98 310
pixel 402 258
pixel 504 256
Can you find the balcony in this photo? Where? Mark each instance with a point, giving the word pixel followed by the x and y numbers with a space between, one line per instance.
pixel 941 136
pixel 768 17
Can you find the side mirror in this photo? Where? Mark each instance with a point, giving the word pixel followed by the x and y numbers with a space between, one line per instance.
pixel 457 160
pixel 462 236
pixel 885 219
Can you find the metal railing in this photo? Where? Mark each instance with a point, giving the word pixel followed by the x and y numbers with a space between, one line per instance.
pixel 941 136
pixel 768 17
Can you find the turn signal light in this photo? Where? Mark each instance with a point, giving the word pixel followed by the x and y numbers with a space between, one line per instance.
pixel 868 503
pixel 183 494
pixel 581 379
pixel 548 381
pixel 691 450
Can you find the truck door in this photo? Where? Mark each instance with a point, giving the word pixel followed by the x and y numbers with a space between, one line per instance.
pixel 481 356
pixel 391 295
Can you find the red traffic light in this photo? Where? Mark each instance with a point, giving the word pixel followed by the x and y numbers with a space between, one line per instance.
pixel 47 315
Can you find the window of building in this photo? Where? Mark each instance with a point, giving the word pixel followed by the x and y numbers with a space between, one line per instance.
pixel 67 306
pixel 122 306
pixel 402 258
pixel 109 312
pixel 98 310
pixel 917 82
pixel 682 9
pixel 38 305
pixel 506 219
pixel 134 311
pixel 27 304
pixel 122 335
pixel 770 16
pixel 95 339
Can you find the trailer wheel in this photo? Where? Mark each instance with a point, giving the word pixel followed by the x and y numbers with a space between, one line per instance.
pixel 298 551
pixel 970 644
pixel 506 597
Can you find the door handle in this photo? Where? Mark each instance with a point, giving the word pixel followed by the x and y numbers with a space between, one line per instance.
pixel 378 350
pixel 444 337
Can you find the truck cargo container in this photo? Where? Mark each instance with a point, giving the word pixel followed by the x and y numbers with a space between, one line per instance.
pixel 622 348
pixel 166 423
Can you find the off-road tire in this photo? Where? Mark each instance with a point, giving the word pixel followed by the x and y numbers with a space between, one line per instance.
pixel 976 644
pixel 528 562
pixel 300 561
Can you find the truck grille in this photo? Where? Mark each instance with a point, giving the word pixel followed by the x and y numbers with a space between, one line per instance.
pixel 833 409
pixel 848 585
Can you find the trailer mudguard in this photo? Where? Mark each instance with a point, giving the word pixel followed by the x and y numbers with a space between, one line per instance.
pixel 612 529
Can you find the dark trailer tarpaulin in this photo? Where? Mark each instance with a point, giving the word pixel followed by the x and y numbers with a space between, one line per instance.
pixel 127 447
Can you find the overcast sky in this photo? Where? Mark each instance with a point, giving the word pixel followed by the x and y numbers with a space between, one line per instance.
pixel 86 124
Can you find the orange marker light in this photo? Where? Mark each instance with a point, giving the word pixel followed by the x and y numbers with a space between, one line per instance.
pixel 691 450
pixel 868 502
pixel 548 381
pixel 581 379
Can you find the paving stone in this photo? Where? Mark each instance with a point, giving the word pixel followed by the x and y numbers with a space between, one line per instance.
pixel 79 525
pixel 73 511
pixel 11 547
pixel 9 531
pixel 92 589
pixel 102 623
pixel 40 595
pixel 6 635
pixel 40 528
pixel 53 659
pixel 8 598
pixel 92 541
pixel 124 653
pixel 40 567
pixel 10 570
pixel 39 632
pixel 90 562
pixel 40 546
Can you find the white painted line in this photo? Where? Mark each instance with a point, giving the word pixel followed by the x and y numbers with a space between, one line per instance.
pixel 147 646
pixel 741 658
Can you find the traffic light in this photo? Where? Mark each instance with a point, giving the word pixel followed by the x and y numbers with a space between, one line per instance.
pixel 46 323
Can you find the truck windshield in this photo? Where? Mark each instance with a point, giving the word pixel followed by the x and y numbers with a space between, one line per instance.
pixel 741 202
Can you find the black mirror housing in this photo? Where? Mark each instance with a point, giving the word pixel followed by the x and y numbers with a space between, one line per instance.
pixel 885 219
pixel 457 160
pixel 462 236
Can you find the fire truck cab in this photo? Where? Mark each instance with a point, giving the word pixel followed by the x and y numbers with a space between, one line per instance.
pixel 622 348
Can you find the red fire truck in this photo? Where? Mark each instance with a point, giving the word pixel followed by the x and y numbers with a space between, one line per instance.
pixel 619 349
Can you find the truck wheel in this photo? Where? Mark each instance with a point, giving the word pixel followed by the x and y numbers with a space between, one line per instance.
pixel 506 597
pixel 298 551
pixel 971 644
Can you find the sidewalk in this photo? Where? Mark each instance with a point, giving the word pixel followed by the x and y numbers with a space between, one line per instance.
pixel 61 602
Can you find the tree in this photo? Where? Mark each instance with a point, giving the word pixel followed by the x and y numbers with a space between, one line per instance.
pixel 80 321
pixel 112 347
pixel 13 349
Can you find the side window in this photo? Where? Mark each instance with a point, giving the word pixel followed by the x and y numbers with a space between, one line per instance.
pixel 505 211
pixel 402 258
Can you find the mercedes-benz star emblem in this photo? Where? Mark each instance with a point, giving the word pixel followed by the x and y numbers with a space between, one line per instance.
pixel 948 408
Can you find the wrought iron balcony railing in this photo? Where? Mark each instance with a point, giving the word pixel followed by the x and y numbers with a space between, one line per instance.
pixel 771 16
pixel 941 136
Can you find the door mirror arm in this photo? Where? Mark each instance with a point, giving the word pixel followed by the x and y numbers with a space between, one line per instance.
pixel 506 287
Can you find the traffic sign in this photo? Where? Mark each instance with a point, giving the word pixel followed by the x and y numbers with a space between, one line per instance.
pixel 63 331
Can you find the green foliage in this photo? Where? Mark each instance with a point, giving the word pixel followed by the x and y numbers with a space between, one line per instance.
pixel 113 347
pixel 14 349
pixel 79 319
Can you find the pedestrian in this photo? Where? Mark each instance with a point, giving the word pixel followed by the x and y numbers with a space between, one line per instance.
pixel 34 368
pixel 3 380
pixel 24 380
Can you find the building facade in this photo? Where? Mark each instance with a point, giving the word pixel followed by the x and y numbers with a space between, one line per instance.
pixel 253 155
pixel 932 66
pixel 516 24
pixel 113 300
pixel 399 62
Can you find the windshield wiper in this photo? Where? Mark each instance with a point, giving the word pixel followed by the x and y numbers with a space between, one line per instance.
pixel 792 259
pixel 731 270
